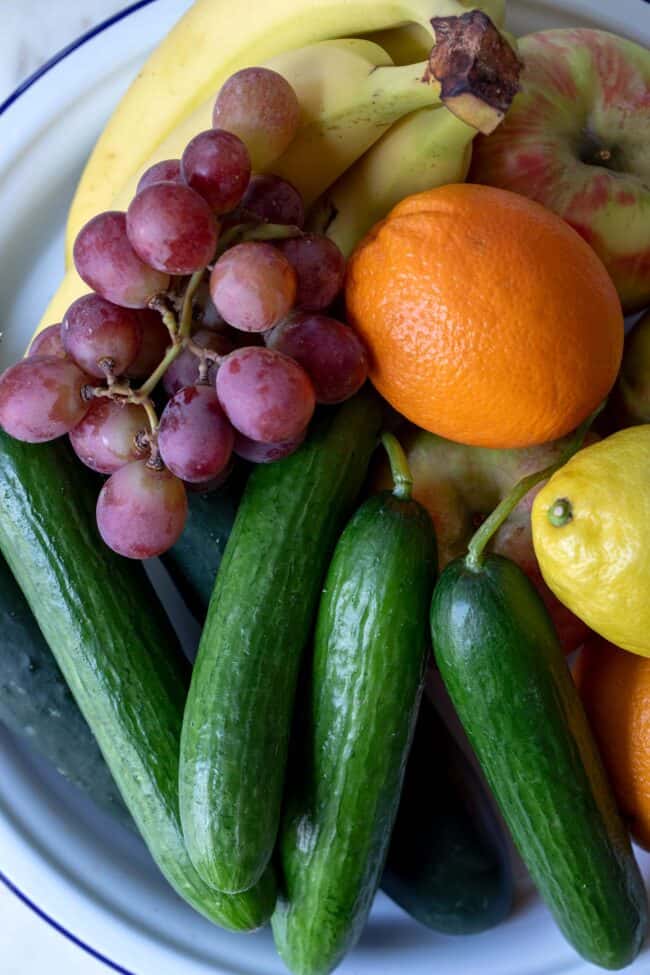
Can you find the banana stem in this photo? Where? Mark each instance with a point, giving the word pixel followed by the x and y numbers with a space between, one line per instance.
pixel 399 467
pixel 476 547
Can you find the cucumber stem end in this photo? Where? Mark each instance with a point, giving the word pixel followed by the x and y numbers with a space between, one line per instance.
pixel 481 538
pixel 399 467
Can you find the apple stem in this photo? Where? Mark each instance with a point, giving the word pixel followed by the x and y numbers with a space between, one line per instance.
pixel 399 467
pixel 491 525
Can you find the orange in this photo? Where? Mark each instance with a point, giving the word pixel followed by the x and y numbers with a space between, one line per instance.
pixel 488 320
pixel 615 690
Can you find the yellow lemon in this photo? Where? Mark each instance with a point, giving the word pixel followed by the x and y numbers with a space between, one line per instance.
pixel 591 531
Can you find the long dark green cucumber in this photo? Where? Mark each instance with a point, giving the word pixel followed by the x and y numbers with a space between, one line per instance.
pixel 510 684
pixel 36 704
pixel 116 650
pixel 448 864
pixel 344 788
pixel 194 560
pixel 238 715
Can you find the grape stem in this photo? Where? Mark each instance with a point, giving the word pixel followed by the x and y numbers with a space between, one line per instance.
pixel 180 335
pixel 159 303
pixel 186 310
pixel 109 375
pixel 202 353
pixel 152 417
pixel 122 392
pixel 250 230
pixel 179 332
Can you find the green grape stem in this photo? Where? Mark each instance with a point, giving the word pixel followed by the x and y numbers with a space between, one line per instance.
pixel 254 230
pixel 180 334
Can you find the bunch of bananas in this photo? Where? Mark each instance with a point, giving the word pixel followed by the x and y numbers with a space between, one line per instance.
pixel 374 126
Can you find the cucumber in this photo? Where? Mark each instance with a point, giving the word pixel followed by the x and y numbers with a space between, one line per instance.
pixel 509 681
pixel 448 864
pixel 112 641
pixel 369 655
pixel 194 560
pixel 238 715
pixel 36 704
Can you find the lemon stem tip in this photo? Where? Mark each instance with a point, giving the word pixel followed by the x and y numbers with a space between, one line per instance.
pixel 560 513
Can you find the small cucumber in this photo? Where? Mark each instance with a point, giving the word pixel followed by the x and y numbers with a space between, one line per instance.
pixel 344 787
pixel 237 720
pixel 36 704
pixel 508 679
pixel 112 641
pixel 448 864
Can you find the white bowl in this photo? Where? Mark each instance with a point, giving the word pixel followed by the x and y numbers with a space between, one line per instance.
pixel 72 864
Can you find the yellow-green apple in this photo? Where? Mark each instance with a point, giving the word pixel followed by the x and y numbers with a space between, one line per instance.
pixel 577 140
pixel 460 486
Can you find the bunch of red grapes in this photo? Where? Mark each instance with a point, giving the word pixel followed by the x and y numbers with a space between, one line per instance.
pixel 209 285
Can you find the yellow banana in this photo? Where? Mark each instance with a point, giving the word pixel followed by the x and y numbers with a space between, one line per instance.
pixel 428 148
pixel 411 43
pixel 325 147
pixel 214 39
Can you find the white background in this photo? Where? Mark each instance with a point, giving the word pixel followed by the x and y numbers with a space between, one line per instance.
pixel 31 31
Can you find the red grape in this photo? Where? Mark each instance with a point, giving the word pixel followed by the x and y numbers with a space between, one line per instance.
pixel 141 511
pixel 48 342
pixel 155 340
pixel 265 453
pixel 329 351
pixel 40 398
pixel 172 228
pixel 319 267
pixel 262 108
pixel 105 438
pixel 184 370
pixel 206 487
pixel 167 171
pixel 108 264
pixel 274 200
pixel 253 286
pixel 195 437
pixel 210 317
pixel 216 164
pixel 95 331
pixel 266 396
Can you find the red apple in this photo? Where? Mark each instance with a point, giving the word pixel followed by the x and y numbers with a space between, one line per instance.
pixel 577 140
pixel 460 486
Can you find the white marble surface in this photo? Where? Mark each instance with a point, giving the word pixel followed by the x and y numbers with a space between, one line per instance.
pixel 31 31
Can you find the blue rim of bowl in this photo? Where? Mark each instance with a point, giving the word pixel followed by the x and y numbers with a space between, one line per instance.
pixel 68 935
pixel 4 106
pixel 70 49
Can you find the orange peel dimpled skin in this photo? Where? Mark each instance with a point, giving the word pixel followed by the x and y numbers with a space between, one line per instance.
pixel 488 320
